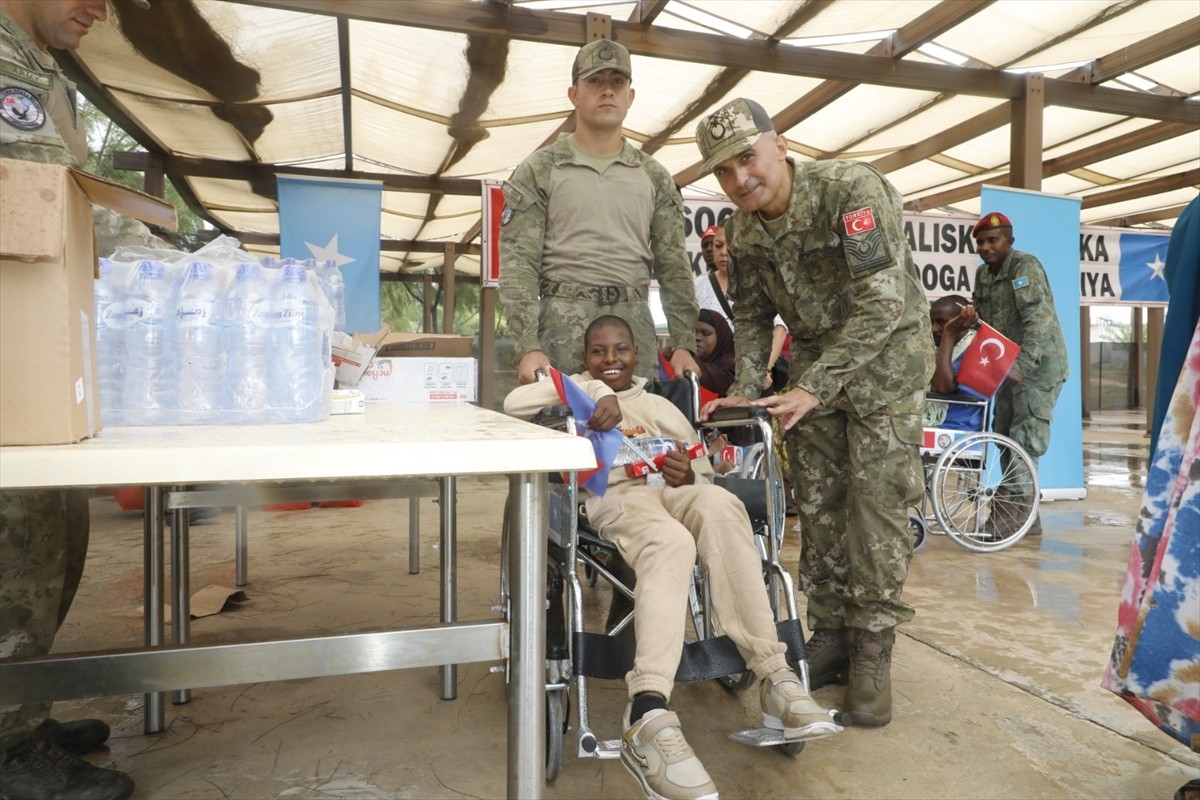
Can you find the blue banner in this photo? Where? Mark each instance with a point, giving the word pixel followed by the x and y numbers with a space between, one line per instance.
pixel 337 220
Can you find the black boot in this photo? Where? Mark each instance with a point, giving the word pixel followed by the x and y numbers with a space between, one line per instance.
pixel 80 736
pixel 869 689
pixel 38 769
pixel 828 656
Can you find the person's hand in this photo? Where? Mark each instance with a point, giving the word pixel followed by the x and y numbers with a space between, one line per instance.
pixel 677 467
pixel 790 407
pixel 963 322
pixel 530 363
pixel 683 362
pixel 722 402
pixel 607 414
pixel 767 380
pixel 1015 375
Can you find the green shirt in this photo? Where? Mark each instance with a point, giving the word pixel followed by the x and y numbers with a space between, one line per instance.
pixel 38 120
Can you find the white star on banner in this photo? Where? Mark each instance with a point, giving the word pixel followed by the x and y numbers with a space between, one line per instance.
pixel 1156 266
pixel 329 252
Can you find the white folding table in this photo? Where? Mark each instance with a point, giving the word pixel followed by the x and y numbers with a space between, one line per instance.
pixel 437 440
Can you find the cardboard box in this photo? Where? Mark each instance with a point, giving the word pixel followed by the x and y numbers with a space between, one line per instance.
pixel 352 355
pixel 348 401
pixel 424 345
pixel 409 380
pixel 49 392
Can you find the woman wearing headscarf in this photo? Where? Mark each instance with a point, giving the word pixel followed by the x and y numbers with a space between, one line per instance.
pixel 714 352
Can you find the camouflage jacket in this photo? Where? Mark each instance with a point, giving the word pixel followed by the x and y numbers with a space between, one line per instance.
pixel 38 118
pixel 1016 300
pixel 842 277
pixel 529 247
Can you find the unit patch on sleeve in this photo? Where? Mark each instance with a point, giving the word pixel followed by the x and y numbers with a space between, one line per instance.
pixel 1020 283
pixel 860 221
pixel 21 109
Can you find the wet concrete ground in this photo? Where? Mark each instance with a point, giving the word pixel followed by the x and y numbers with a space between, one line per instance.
pixel 996 680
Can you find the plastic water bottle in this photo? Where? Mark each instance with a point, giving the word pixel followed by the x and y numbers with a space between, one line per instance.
pixel 152 360
pixel 248 328
pixel 335 289
pixel 202 362
pixel 110 343
pixel 298 368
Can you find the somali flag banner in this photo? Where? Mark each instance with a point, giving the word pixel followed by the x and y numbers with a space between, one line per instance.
pixel 1120 266
pixel 331 219
pixel 605 443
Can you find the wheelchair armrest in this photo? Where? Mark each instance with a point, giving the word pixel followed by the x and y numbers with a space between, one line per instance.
pixel 552 416
pixel 739 413
pixel 955 397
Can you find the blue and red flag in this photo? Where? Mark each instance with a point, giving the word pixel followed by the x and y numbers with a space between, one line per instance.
pixel 605 443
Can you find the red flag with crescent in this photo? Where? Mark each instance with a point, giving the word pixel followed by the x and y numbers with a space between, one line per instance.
pixel 987 362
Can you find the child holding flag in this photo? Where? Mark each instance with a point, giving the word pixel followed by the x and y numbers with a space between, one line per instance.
pixel 659 523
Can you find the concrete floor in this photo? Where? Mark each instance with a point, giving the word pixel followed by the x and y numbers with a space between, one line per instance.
pixel 996 680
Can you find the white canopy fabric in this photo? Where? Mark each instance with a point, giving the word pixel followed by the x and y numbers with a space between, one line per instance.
pixel 443 93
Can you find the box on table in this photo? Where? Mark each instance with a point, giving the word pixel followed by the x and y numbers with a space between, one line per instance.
pixel 424 345
pixel 352 355
pixel 407 380
pixel 49 392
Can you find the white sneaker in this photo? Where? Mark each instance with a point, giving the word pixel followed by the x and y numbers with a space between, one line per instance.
pixel 654 751
pixel 787 707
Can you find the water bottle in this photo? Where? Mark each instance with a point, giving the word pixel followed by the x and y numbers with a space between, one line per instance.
pixel 335 289
pixel 248 322
pixel 151 358
pixel 110 343
pixel 298 369
pixel 202 361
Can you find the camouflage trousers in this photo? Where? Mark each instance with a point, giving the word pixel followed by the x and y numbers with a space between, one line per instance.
pixel 1023 415
pixel 43 544
pixel 563 320
pixel 855 479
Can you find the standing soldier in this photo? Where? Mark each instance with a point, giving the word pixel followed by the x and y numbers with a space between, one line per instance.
pixel 587 220
pixel 822 245
pixel 1012 294
pixel 44 532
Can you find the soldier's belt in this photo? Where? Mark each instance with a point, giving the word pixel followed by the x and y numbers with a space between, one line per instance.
pixel 604 295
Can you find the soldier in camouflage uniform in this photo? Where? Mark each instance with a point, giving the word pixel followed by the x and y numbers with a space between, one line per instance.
pixel 822 245
pixel 586 222
pixel 1013 295
pixel 44 533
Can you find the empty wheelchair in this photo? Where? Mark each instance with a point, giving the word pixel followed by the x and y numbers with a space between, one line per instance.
pixel 966 465
pixel 575 654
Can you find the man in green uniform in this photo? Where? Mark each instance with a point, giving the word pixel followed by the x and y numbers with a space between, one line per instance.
pixel 1012 294
pixel 588 220
pixel 44 533
pixel 822 244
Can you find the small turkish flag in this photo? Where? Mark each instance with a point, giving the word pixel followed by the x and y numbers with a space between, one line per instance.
pixel 987 362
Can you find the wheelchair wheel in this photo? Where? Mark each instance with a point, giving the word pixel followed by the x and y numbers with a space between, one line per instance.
pixel 919 529
pixel 963 488
pixel 791 748
pixel 707 626
pixel 556 730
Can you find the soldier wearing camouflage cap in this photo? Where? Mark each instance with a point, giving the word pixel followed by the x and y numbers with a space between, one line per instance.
pixel 822 244
pixel 588 222
pixel 44 533
pixel 1012 294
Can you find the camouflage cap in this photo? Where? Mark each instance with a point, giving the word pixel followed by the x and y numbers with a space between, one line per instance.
pixel 731 129
pixel 598 55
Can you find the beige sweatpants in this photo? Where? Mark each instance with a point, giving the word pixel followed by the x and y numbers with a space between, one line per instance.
pixel 659 531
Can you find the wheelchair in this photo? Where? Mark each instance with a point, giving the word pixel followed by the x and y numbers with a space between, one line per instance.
pixel 573 654
pixel 964 469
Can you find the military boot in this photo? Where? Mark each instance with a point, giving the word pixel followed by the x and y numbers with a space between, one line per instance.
pixel 828 656
pixel 869 693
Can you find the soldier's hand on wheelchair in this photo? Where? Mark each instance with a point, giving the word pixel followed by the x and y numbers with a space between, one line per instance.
pixel 722 402
pixel 677 467
pixel 790 407
pixel 607 414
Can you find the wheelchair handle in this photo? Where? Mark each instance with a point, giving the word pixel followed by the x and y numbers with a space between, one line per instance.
pixel 739 413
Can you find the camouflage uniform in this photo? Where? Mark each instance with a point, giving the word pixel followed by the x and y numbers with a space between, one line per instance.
pixel 1016 300
pixel 43 533
pixel 552 285
pixel 841 275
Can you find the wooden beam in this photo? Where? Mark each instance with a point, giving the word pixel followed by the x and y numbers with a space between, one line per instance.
pixel 646 11
pixel 944 140
pixel 1170 212
pixel 1025 139
pixel 386 245
pixel 343 36
pixel 1153 48
pixel 1169 183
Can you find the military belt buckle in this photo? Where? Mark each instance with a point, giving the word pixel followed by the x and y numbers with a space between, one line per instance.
pixel 608 295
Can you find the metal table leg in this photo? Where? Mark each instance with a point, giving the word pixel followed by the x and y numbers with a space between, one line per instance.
pixel 447 490
pixel 239 548
pixel 527 632
pixel 152 553
pixel 181 591
pixel 414 535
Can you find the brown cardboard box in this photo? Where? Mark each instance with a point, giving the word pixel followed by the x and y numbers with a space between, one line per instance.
pixel 48 388
pixel 424 345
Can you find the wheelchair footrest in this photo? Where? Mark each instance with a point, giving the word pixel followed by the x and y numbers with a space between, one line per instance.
pixel 597 655
pixel 769 737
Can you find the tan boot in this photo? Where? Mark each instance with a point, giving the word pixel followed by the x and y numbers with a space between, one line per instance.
pixel 869 693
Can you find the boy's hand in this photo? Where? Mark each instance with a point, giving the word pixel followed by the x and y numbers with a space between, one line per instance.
pixel 963 322
pixel 677 467
pixel 607 414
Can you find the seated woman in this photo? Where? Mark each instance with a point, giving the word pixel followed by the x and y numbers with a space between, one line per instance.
pixel 659 526
pixel 953 321
pixel 714 352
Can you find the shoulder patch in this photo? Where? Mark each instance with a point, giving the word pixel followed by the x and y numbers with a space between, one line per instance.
pixel 866 251
pixel 1020 283
pixel 21 109
pixel 858 222
pixel 22 74
pixel 506 214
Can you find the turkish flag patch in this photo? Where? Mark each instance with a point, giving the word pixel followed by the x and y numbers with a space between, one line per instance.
pixel 860 221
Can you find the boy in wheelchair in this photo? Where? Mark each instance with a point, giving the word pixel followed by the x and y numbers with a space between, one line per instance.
pixel 659 523
pixel 952 319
